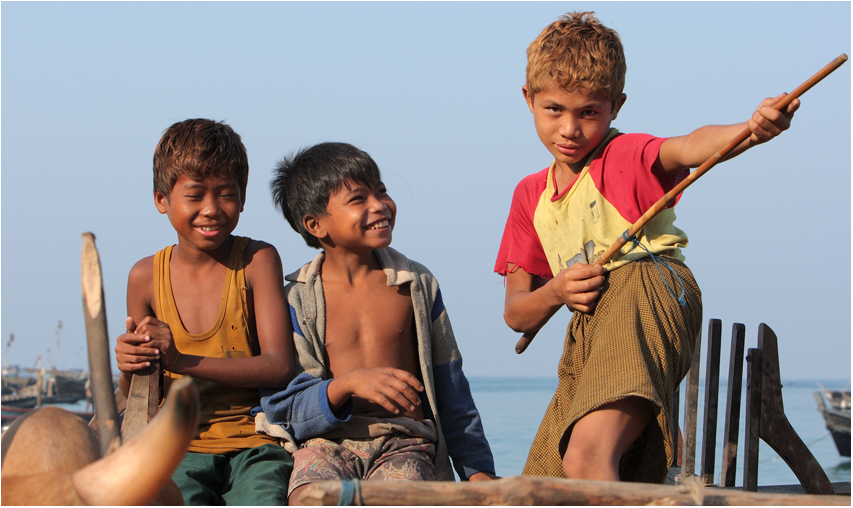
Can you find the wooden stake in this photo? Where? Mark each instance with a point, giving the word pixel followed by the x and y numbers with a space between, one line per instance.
pixel 98 342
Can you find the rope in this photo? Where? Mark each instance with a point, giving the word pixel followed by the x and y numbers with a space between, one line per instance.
pixel 658 262
pixel 350 493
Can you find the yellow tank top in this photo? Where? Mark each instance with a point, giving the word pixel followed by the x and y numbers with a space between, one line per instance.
pixel 225 422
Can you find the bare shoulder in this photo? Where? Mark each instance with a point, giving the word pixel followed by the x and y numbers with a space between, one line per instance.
pixel 262 260
pixel 142 272
pixel 140 287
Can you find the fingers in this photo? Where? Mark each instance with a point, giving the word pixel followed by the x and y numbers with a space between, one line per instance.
pixel 134 352
pixel 579 286
pixel 395 390
pixel 130 324
pixel 767 122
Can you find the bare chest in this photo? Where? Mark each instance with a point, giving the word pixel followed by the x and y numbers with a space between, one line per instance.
pixel 198 297
pixel 370 327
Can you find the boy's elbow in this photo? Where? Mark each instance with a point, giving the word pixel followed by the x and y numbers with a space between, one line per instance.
pixel 285 375
pixel 513 322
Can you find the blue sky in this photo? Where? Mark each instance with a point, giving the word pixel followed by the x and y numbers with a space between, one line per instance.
pixel 433 92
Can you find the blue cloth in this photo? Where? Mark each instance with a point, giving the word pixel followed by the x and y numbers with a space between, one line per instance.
pixel 303 407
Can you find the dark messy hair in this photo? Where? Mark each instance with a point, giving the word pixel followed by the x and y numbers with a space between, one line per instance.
pixel 200 148
pixel 303 182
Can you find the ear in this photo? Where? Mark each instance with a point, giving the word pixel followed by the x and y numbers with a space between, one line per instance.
pixel 617 105
pixel 161 201
pixel 528 97
pixel 314 226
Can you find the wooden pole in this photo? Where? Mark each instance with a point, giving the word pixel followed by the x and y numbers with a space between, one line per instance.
pixel 667 198
pixel 98 342
pixel 533 490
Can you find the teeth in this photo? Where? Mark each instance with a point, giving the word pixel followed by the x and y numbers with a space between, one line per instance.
pixel 208 228
pixel 379 225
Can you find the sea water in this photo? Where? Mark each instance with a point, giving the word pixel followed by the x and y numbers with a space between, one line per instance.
pixel 512 408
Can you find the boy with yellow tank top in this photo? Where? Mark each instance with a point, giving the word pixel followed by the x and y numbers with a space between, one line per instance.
pixel 631 337
pixel 212 307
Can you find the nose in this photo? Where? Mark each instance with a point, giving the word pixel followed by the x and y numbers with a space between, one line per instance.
pixel 569 127
pixel 375 204
pixel 211 207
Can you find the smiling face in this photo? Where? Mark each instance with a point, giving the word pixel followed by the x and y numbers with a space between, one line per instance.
pixel 359 218
pixel 571 124
pixel 203 213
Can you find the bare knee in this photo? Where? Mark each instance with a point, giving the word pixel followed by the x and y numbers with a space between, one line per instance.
pixel 585 460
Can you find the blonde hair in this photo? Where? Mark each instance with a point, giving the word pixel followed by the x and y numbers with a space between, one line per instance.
pixel 577 52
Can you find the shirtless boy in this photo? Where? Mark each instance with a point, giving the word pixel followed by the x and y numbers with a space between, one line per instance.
pixel 212 307
pixel 380 392
pixel 631 338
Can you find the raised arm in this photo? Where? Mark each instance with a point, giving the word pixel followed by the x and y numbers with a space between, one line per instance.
pixel 690 151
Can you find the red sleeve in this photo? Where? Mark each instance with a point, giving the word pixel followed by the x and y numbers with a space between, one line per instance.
pixel 623 174
pixel 520 244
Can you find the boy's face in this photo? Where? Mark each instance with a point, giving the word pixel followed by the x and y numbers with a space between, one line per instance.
pixel 203 213
pixel 571 124
pixel 359 218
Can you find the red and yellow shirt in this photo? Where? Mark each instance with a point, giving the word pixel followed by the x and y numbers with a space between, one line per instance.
pixel 547 232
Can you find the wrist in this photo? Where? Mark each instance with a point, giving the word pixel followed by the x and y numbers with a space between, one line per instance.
pixel 338 392
pixel 171 366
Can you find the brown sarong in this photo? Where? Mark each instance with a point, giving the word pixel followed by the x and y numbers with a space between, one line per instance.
pixel 638 342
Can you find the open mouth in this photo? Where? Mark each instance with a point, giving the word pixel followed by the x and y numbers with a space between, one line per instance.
pixel 379 225
pixel 208 229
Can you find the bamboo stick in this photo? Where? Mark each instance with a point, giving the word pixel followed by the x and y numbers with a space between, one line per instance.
pixel 532 490
pixel 667 198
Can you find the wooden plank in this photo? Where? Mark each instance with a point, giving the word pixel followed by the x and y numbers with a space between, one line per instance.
pixel 733 398
pixel 712 391
pixel 691 401
pixel 533 490
pixel 776 430
pixel 753 419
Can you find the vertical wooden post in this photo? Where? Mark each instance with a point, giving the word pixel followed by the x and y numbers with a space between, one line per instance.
pixel 753 419
pixel 733 397
pixel 673 426
pixel 712 389
pixel 98 342
pixel 691 402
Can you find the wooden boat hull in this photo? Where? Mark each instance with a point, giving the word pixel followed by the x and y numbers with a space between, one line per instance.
pixel 835 408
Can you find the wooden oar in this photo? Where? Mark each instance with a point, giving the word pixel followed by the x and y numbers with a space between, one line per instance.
pixel 667 198
pixel 100 373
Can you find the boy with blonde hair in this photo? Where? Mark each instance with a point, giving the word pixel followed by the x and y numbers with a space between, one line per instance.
pixel 635 321
pixel 212 307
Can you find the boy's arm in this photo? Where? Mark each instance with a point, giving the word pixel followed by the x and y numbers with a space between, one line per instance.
pixel 273 367
pixel 690 151
pixel 461 424
pixel 527 308
pixel 135 353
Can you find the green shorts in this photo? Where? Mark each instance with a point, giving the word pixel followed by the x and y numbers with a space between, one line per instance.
pixel 257 476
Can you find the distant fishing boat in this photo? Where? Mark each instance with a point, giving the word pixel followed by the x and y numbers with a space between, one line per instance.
pixel 45 387
pixel 834 405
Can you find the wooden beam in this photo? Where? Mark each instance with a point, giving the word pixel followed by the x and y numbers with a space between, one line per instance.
pixel 712 398
pixel 532 490
pixel 733 397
